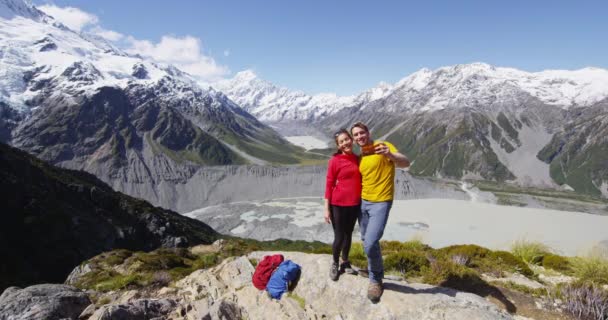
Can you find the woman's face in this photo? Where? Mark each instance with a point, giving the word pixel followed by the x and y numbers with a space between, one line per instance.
pixel 361 136
pixel 345 143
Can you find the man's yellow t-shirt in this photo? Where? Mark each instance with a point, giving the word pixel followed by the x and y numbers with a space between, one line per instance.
pixel 377 176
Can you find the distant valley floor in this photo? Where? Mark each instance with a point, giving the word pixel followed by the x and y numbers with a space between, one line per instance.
pixel 439 222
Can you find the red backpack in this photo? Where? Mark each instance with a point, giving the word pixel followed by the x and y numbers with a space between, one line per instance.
pixel 265 269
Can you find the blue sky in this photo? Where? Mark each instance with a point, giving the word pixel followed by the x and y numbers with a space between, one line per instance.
pixel 348 46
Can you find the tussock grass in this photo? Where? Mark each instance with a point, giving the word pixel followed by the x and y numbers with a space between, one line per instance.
pixel 530 251
pixel 592 267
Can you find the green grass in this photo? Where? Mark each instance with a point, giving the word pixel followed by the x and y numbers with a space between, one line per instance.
pixel 535 292
pixel 530 251
pixel 592 267
pixel 301 301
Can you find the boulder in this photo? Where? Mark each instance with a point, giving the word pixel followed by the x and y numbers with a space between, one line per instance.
pixel 43 301
pixel 143 309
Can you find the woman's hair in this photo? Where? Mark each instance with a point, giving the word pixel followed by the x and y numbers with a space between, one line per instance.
pixel 359 124
pixel 337 134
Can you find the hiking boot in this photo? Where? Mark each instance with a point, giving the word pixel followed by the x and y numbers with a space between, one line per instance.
pixel 333 272
pixel 374 292
pixel 345 267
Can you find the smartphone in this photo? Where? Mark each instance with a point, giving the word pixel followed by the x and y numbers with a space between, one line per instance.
pixel 368 149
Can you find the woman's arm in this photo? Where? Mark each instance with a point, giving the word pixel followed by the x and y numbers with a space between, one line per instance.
pixel 327 213
pixel 330 181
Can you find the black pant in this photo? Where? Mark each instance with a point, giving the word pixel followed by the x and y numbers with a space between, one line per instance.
pixel 343 221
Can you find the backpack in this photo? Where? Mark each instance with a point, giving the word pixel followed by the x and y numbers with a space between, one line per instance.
pixel 264 270
pixel 287 272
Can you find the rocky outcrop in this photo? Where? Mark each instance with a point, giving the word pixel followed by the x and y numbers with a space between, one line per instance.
pixel 43 302
pixel 226 292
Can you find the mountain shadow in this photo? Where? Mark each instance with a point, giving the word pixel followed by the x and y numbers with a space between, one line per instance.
pixel 53 219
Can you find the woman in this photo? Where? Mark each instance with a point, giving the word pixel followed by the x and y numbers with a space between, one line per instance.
pixel 342 200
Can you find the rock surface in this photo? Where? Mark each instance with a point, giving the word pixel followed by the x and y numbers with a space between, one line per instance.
pixel 43 301
pixel 226 291
pixel 140 309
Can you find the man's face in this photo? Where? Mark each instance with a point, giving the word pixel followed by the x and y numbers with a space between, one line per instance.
pixel 361 136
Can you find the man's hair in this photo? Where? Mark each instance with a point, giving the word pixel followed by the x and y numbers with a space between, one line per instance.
pixel 360 125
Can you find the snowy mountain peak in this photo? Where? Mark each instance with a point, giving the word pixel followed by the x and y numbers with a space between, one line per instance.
pixel 476 84
pixel 13 8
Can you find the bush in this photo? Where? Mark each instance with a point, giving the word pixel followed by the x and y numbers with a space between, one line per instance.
pixel 357 255
pixel 117 257
pixel 407 263
pixel 470 254
pixel 497 262
pixel 530 251
pixel 122 281
pixel 591 269
pixel 446 273
pixel 585 300
pixel 557 263
pixel 161 259
pixel 397 246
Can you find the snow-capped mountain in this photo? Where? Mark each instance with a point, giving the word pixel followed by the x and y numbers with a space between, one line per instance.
pixel 270 103
pixel 76 100
pixel 467 85
pixel 483 85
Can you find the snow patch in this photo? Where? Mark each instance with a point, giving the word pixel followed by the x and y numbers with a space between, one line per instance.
pixel 308 142
pixel 567 187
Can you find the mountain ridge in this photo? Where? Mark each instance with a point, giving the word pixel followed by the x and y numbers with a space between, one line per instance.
pixel 54 218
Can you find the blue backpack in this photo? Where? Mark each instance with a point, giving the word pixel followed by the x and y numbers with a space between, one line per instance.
pixel 287 272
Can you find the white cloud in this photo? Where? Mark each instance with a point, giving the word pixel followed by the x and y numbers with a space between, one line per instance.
pixel 107 34
pixel 185 53
pixel 73 18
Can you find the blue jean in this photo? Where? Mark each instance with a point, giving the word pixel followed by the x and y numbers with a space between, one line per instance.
pixel 372 221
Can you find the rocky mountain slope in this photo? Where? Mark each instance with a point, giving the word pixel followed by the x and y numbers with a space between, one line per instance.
pixel 77 101
pixel 53 219
pixel 465 121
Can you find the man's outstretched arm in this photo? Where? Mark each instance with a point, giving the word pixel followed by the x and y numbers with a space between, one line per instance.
pixel 399 159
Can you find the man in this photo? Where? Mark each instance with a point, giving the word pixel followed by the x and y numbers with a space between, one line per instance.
pixel 377 167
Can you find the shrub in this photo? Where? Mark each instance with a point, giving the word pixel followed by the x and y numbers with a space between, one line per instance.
pixel 585 300
pixel 397 246
pixel 117 257
pixel 449 274
pixel 557 263
pixel 591 269
pixel 205 261
pixel 530 251
pixel 497 262
pixel 122 281
pixel 161 259
pixel 406 262
pixel 469 252
pixel 357 255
